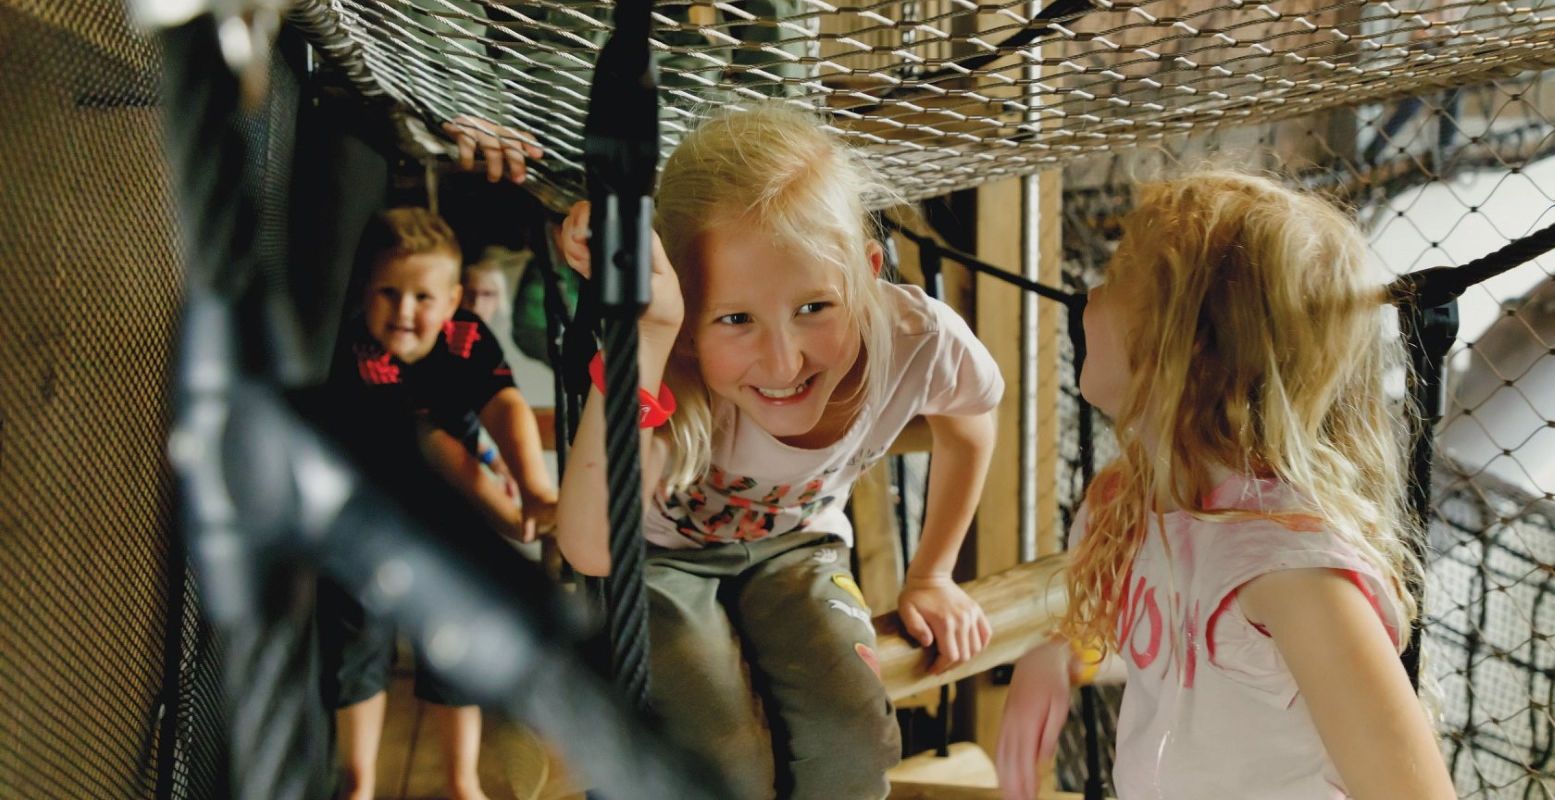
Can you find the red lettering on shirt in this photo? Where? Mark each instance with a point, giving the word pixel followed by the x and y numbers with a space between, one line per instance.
pixel 461 337
pixel 1142 599
pixel 377 369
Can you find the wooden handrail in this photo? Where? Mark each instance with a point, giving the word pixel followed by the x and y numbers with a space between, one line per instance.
pixel 1023 604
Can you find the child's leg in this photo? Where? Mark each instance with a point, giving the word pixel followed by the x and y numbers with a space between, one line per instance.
pixel 810 636
pixel 456 721
pixel 359 727
pixel 356 653
pixel 460 728
pixel 697 681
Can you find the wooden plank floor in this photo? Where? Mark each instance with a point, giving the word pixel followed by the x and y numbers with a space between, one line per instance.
pixel 514 765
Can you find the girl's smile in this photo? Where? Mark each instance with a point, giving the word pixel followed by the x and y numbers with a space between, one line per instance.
pixel 771 334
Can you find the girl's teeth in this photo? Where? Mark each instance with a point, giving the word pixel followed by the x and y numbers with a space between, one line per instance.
pixel 779 394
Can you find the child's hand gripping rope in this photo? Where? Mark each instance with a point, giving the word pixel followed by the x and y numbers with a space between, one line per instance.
pixel 660 323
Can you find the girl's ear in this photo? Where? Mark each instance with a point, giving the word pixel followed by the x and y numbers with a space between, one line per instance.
pixel 876 255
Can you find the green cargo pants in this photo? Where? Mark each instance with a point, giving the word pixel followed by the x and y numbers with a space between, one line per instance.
pixel 789 604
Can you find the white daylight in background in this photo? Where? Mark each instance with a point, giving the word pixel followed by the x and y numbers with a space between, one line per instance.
pixel 1486 417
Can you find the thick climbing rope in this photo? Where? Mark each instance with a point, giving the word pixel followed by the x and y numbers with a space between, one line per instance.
pixel 621 139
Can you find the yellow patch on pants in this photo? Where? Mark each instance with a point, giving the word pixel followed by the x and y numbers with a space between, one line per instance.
pixel 846 583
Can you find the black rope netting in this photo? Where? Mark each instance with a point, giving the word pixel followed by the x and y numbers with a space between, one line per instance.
pixel 1423 116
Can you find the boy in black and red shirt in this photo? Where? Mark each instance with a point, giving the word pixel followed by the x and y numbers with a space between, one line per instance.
pixel 415 379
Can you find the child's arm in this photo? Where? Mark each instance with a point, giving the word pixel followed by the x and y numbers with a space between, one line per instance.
pixel 1369 719
pixel 1037 706
pixel 451 460
pixel 513 428
pixel 582 515
pixel 932 607
pixel 1035 710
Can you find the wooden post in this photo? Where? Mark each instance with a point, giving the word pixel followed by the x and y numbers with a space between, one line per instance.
pixel 875 538
pixel 998 322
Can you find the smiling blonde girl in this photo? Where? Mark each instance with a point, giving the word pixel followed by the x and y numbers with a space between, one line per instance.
pixel 794 367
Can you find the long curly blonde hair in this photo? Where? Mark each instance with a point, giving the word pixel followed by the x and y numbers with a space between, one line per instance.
pixel 1257 342
pixel 774 169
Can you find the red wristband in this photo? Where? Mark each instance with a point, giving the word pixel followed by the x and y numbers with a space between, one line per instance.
pixel 652 411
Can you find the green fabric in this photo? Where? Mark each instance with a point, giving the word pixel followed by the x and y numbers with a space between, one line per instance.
pixel 790 605
pixel 529 307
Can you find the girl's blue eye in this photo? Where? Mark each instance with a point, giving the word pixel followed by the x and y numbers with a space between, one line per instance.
pixel 814 308
pixel 739 318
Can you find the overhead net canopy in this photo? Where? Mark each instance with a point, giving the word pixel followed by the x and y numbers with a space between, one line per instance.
pixel 942 94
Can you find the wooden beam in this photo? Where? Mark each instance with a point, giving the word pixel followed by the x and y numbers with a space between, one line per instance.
pixel 998 324
pixel 875 538
pixel 1024 605
pixel 1050 323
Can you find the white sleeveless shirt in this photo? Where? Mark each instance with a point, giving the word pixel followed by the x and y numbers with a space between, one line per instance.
pixel 1210 709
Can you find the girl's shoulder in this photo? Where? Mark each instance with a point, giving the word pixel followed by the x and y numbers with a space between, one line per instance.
pixel 938 366
pixel 913 312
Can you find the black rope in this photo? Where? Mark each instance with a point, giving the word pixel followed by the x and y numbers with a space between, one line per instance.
pixel 625 591
pixel 1428 332
pixel 621 138
pixel 1043 22
pixel 1088 696
pixel 1440 285
pixel 932 250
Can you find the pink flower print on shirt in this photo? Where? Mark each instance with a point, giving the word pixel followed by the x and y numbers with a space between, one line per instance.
pixel 756 522
pixel 754 525
pixel 716 523
pixel 725 483
pixel 811 489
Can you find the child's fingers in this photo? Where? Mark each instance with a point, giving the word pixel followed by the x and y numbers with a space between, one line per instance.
pixel 1007 761
pixel 949 646
pixel 515 157
pixel 572 238
pixel 661 259
pixel 913 622
pixel 1052 726
pixel 491 150
pixel 466 151
pixel 1018 759
pixel 984 630
pixel 969 640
